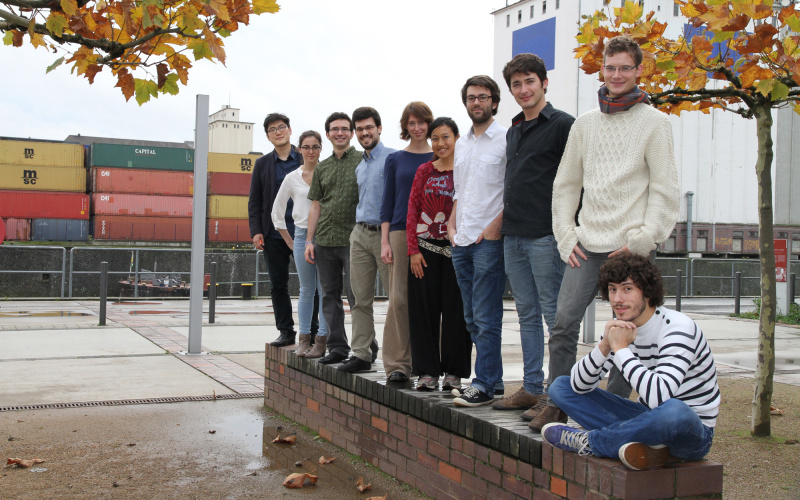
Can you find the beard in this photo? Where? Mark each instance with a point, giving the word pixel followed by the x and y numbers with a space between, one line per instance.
pixel 481 118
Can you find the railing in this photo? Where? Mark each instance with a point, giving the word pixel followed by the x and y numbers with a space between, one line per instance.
pixel 62 271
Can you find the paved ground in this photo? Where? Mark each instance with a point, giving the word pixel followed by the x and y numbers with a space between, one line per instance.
pixel 54 352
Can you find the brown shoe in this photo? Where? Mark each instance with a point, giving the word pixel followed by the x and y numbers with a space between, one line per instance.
pixel 549 415
pixel 318 349
pixel 520 400
pixel 303 345
pixel 536 410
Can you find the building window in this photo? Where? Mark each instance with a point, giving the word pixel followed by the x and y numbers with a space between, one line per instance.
pixel 702 241
pixel 519 16
pixel 544 7
pixel 783 235
pixel 736 242
pixel 558 4
pixel 676 10
pixel 752 234
pixel 533 9
pixel 796 243
pixel 508 20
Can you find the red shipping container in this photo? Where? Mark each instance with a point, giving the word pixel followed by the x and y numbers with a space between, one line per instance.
pixel 18 229
pixel 43 205
pixel 135 181
pixel 141 205
pixel 229 183
pixel 229 230
pixel 132 228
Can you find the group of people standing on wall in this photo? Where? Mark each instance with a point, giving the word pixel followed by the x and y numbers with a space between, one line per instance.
pixel 560 207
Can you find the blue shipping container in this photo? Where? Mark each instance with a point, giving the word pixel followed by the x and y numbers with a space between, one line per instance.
pixel 59 230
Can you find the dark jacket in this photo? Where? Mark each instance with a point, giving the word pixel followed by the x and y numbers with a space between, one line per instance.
pixel 532 159
pixel 262 195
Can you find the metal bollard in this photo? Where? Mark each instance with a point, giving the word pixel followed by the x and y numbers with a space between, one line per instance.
pixel 212 292
pixel 792 277
pixel 678 291
pixel 737 293
pixel 103 291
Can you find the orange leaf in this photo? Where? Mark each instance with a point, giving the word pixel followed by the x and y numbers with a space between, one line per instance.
pixel 92 70
pixel 361 486
pixel 162 71
pixel 17 37
pixel 126 83
pixel 326 461
pixel 296 480
pixel 286 440
pixel 23 463
pixel 738 23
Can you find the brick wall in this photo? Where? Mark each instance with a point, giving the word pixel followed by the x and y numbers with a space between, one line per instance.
pixel 447 453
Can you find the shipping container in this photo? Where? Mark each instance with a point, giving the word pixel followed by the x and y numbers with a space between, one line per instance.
pixel 52 154
pixel 126 228
pixel 227 207
pixel 229 230
pixel 232 163
pixel 229 183
pixel 43 178
pixel 141 205
pixel 152 157
pixel 44 205
pixel 18 229
pixel 135 181
pixel 59 230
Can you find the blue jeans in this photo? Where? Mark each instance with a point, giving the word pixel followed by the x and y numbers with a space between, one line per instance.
pixel 482 278
pixel 309 283
pixel 534 268
pixel 613 421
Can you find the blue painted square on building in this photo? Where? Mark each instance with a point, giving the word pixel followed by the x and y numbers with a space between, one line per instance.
pixel 539 39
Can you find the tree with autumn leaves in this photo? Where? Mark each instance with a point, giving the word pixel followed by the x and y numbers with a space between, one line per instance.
pixel 740 56
pixel 145 44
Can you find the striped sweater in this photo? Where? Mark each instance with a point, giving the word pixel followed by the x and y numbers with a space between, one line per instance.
pixel 669 358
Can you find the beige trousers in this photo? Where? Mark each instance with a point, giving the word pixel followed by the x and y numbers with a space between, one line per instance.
pixel 396 345
pixel 365 264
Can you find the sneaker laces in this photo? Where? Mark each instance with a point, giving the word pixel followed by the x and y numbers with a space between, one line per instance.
pixel 576 440
pixel 470 392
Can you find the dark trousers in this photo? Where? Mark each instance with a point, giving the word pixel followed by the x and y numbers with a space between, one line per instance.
pixel 434 306
pixel 277 255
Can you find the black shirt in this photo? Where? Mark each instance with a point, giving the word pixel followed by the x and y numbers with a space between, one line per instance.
pixel 533 152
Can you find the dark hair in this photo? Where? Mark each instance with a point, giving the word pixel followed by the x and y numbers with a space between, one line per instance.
pixel 623 43
pixel 337 116
pixel 309 133
pixel 418 109
pixel 364 113
pixel 275 117
pixel 482 81
pixel 441 121
pixel 525 64
pixel 645 274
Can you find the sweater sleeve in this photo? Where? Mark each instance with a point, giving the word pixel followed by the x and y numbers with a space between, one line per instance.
pixel 588 372
pixel 663 198
pixel 414 204
pixel 278 214
pixel 389 181
pixel 567 192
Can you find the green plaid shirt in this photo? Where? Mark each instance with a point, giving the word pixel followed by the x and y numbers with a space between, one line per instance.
pixel 335 187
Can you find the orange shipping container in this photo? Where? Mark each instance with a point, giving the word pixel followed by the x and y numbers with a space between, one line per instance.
pixel 43 205
pixel 141 205
pixel 229 230
pixel 127 228
pixel 18 229
pixel 136 181
pixel 228 183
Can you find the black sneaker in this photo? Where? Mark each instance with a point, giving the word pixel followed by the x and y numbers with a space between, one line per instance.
pixel 473 397
pixel 355 365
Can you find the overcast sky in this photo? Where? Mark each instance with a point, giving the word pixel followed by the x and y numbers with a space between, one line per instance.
pixel 312 58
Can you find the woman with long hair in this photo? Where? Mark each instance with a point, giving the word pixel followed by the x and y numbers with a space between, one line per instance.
pixel 399 172
pixel 434 298
pixel 295 187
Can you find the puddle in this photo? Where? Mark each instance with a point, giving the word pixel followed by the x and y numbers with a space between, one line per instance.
pixel 26 314
pixel 136 313
pixel 134 303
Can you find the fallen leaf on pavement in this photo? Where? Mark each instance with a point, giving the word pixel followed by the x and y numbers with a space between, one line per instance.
pixel 22 463
pixel 790 441
pixel 286 440
pixel 325 461
pixel 774 410
pixel 296 480
pixel 212 432
pixel 376 498
pixel 361 486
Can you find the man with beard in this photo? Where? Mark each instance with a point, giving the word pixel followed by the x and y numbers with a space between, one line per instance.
pixel 365 239
pixel 474 231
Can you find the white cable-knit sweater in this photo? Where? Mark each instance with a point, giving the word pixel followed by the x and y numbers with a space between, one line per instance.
pixel 626 165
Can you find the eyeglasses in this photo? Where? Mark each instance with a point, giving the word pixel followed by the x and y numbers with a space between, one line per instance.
pixel 315 147
pixel 279 128
pixel 481 98
pixel 368 128
pixel 336 130
pixel 622 69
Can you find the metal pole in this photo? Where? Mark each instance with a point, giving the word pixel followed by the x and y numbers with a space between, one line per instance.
pixel 588 323
pixel 198 224
pixel 103 291
pixel 689 246
pixel 212 292
pixel 737 293
pixel 792 277
pixel 678 290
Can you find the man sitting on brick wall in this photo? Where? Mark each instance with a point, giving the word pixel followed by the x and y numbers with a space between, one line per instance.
pixel 663 354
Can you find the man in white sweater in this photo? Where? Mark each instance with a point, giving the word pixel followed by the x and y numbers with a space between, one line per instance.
pixel 664 355
pixel 621 158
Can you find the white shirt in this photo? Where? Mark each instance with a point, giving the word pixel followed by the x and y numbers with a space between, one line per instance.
pixel 478 175
pixel 294 187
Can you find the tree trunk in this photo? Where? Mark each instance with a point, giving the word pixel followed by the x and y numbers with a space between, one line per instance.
pixel 765 368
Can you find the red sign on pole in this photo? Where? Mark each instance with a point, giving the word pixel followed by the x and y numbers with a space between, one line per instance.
pixel 781 261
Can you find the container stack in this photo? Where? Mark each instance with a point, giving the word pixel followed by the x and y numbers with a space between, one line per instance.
pixel 43 191
pixel 141 193
pixel 228 192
